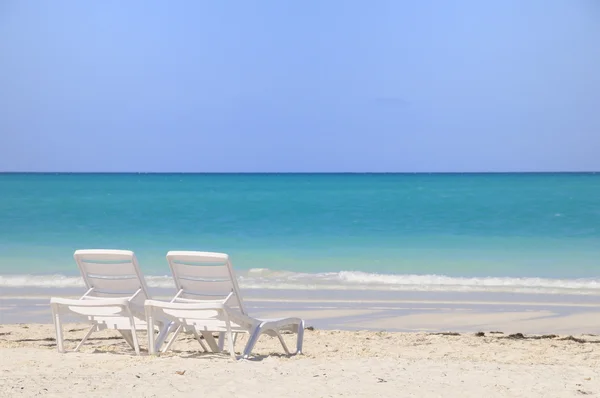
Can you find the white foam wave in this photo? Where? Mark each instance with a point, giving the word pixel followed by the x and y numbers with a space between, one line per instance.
pixel 63 281
pixel 441 280
pixel 261 278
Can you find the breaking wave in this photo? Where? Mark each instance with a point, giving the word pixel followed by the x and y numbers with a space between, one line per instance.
pixel 262 278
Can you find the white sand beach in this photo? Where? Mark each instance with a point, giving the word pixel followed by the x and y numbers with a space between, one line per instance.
pixel 334 363
pixel 433 347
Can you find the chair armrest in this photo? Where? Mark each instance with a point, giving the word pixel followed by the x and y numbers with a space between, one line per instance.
pixel 207 305
pixel 90 303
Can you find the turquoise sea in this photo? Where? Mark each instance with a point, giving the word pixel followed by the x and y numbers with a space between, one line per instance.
pixel 438 232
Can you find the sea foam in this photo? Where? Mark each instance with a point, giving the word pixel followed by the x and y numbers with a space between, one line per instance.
pixel 348 280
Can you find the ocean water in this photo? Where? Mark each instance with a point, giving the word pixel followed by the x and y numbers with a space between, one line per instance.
pixel 536 233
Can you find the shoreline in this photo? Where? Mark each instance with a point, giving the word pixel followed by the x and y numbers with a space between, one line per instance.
pixel 374 311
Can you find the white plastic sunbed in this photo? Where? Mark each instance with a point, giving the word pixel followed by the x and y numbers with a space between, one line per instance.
pixel 114 299
pixel 208 300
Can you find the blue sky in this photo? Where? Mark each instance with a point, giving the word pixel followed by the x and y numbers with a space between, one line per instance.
pixel 227 86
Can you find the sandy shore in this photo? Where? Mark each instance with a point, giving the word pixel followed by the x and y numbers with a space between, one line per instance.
pixel 335 363
pixel 422 363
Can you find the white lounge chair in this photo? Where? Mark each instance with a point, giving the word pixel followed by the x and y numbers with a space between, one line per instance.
pixel 114 299
pixel 209 300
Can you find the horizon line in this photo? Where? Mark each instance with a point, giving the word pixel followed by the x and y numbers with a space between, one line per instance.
pixel 300 172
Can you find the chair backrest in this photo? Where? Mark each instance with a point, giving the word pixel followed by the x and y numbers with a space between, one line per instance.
pixel 111 273
pixel 204 276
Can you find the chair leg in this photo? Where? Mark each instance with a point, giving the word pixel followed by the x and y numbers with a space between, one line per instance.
pixel 282 341
pixel 210 340
pixel 87 335
pixel 58 328
pixel 162 336
pixel 136 345
pixel 170 343
pixel 229 338
pixel 150 327
pixel 300 340
pixel 204 347
pixel 127 336
pixel 254 335
pixel 221 340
